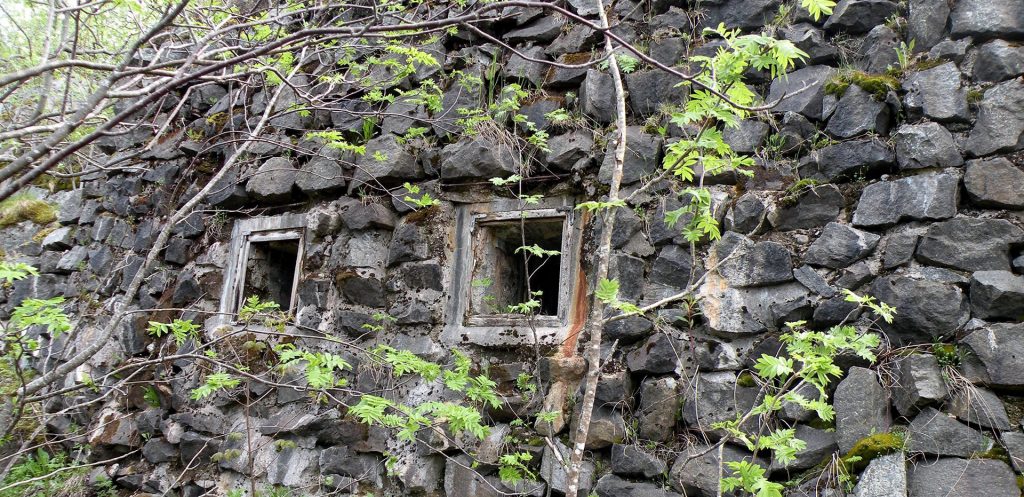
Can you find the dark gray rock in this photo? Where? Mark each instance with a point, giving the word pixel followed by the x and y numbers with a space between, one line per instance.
pixel 858 16
pixel 627 224
pixel 885 476
pixel 402 115
pixel 925 145
pixel 607 427
pixel 363 291
pixel 998 60
pixel 987 19
pixel 347 115
pixel 597 96
pixel 937 94
pixel 656 355
pixel 918 383
pixel 520 68
pixel 861 406
pixel 672 267
pixel 858 112
pixel 997 295
pixel 812 41
pixel 416 275
pixel 575 40
pixel 696 470
pixel 615 388
pixel 814 208
pixel 631 461
pixel 543 30
pixel 969 244
pixel 926 22
pixel 72 260
pixel 810 81
pixel 59 239
pixel 744 263
pixel 551 471
pixel 747 215
pixel 856 275
pixel 927 310
pixel 810 278
pixel 177 251
pixel 840 245
pixel 651 89
pixel 475 158
pixel 950 50
pixel 668 51
pixel 387 161
pixel 954 477
pixel 659 407
pixel 994 182
pixel 273 181
pixel 713 397
pixel 320 176
pixel 196 449
pixel 407 244
pixel 569 149
pixel 361 216
pixel 1014 443
pixel 643 156
pixel 980 406
pixel 159 450
pixel 747 137
pixel 342 460
pixel 796 132
pixel 566 77
pixel 743 14
pixel 740 311
pixel 848 159
pixel 936 433
pixel 629 271
pixel 926 196
pixel 999 127
pixel 628 330
pixel 613 486
pixel 424 477
pixel 997 348
pixel 821 444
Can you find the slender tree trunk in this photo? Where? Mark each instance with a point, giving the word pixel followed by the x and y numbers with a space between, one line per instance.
pixel 603 255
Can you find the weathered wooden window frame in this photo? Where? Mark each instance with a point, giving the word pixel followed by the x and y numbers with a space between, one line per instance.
pixel 256 230
pixel 510 329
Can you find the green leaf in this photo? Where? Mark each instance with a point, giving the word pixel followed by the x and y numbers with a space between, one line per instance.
pixel 769 367
pixel 607 290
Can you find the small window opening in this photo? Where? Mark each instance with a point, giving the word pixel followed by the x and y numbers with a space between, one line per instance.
pixel 503 277
pixel 271 268
pixel 270 271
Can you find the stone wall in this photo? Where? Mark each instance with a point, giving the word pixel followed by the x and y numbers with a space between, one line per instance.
pixel 913 194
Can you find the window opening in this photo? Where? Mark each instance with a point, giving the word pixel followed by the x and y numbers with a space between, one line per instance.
pixel 488 275
pixel 270 271
pixel 265 260
pixel 500 277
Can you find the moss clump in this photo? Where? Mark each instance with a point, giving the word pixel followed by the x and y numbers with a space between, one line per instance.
pixel 946 353
pixel 878 85
pixel 869 448
pixel 746 380
pixel 975 95
pixel 41 234
pixel 26 208
pixel 797 189
pixel 996 452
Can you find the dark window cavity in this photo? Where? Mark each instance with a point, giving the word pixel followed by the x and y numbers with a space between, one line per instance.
pixel 505 276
